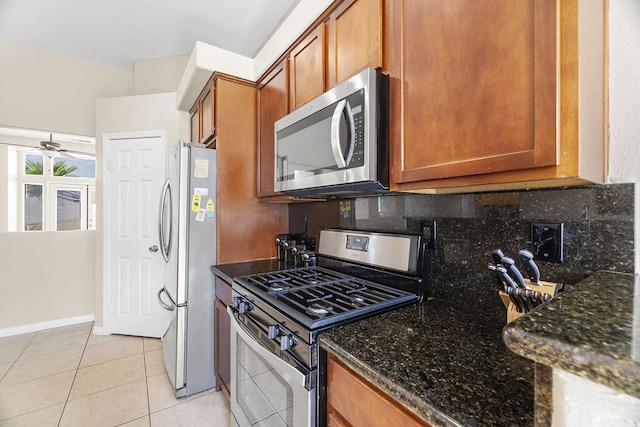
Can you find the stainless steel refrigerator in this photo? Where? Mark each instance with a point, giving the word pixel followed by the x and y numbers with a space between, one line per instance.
pixel 187 234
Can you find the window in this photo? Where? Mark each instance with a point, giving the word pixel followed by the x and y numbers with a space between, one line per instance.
pixel 56 193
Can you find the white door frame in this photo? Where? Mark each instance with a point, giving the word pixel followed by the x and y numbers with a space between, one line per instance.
pixel 106 289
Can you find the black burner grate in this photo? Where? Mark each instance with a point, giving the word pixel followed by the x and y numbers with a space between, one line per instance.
pixel 321 294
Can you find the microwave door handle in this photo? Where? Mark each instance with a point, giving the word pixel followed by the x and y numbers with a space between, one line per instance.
pixel 352 133
pixel 281 168
pixel 335 134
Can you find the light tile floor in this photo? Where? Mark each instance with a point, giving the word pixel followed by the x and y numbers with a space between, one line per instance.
pixel 69 377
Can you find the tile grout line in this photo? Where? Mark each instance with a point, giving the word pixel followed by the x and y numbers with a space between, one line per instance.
pixel 146 380
pixel 83 350
pixel 16 361
pixel 146 385
pixel 75 374
pixel 19 356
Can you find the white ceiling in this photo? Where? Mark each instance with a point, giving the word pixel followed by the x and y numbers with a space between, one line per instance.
pixel 117 32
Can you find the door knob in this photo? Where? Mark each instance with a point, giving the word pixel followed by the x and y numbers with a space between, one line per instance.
pixel 153 248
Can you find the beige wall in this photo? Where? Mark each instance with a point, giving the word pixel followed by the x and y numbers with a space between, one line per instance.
pixel 159 75
pixel 130 114
pixel 46 276
pixel 49 276
pixel 624 104
pixel 53 92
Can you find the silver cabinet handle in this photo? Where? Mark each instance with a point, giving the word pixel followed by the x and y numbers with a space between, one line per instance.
pixel 342 107
pixel 153 248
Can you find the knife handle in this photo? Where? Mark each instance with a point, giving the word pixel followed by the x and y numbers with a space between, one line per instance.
pixel 510 265
pixel 505 277
pixel 497 256
pixel 529 265
pixel 496 277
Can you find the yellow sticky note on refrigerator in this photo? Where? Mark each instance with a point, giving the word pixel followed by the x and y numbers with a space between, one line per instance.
pixel 195 202
pixel 210 208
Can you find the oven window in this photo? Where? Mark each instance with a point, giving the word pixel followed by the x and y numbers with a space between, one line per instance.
pixel 263 394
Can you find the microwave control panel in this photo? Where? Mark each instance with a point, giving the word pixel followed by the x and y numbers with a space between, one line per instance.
pixel 356 101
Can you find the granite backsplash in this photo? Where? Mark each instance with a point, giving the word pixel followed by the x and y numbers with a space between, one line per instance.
pixel 598 232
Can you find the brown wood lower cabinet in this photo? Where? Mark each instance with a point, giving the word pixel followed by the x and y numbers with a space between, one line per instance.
pixel 354 401
pixel 223 335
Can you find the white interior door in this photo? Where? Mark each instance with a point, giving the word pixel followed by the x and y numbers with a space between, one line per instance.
pixel 134 176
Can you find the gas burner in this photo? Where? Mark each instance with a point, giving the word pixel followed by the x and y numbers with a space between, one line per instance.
pixel 277 287
pixel 320 307
pixel 356 299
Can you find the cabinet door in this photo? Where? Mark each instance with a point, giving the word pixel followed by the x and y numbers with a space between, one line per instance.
pixel 272 106
pixel 473 87
pixel 354 39
pixel 223 340
pixel 207 112
pixel 307 65
pixel 223 334
pixel 195 123
pixel 352 400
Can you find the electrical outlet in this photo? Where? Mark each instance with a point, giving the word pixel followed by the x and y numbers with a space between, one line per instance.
pixel 547 241
pixel 428 231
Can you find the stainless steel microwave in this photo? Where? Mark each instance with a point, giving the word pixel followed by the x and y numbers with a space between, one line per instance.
pixel 337 144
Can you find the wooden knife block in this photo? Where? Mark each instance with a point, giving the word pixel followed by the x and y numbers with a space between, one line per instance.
pixel 542 287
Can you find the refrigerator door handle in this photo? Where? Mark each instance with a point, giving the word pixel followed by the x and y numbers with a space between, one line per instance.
pixel 162 303
pixel 165 244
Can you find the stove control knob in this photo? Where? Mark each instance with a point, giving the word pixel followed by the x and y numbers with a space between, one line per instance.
pixel 287 342
pixel 235 302
pixel 244 306
pixel 275 331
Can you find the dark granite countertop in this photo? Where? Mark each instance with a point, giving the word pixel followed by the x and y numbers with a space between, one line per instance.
pixel 229 271
pixel 589 330
pixel 447 365
pixel 443 361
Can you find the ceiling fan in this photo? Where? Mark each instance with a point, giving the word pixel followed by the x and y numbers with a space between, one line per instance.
pixel 54 149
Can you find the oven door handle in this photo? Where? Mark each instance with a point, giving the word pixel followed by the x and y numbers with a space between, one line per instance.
pixel 290 373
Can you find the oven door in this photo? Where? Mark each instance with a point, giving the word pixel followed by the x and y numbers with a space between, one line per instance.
pixel 264 388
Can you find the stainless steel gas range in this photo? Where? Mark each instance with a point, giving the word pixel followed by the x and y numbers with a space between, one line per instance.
pixel 276 318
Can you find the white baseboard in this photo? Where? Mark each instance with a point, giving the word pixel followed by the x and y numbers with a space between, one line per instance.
pixel 100 330
pixel 34 327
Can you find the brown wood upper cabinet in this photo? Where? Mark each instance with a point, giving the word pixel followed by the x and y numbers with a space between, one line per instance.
pixel 234 102
pixel 485 95
pixel 342 42
pixel 272 106
pixel 354 39
pixel 203 119
pixel 307 64
pixel 235 143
